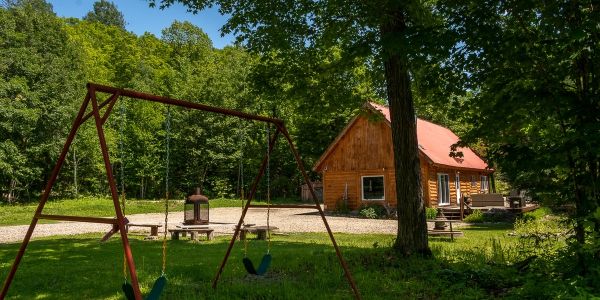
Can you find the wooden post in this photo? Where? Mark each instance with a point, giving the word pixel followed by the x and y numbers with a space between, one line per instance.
pixel 115 196
pixel 462 208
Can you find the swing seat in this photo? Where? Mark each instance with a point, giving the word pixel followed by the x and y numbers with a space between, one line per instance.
pixel 128 290
pixel 157 288
pixel 265 263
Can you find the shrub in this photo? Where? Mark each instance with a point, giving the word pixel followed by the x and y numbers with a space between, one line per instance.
pixel 368 212
pixel 475 217
pixel 430 212
pixel 373 211
pixel 542 235
pixel 536 214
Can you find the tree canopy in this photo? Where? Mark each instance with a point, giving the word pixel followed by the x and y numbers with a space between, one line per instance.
pixel 531 70
pixel 106 12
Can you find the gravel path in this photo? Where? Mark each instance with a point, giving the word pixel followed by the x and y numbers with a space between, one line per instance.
pixel 222 220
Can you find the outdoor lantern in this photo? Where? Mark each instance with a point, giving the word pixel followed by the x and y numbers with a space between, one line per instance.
pixel 196 209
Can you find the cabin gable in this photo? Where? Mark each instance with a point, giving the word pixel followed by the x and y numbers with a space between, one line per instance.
pixel 366 145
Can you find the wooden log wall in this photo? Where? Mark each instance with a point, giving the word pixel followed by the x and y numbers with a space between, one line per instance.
pixel 466 185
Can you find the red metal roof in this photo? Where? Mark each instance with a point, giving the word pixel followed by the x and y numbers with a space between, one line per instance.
pixel 435 142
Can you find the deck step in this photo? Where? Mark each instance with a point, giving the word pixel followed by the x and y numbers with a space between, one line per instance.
pixel 453 213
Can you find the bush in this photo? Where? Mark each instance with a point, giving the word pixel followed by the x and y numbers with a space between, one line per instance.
pixel 536 214
pixel 368 212
pixel 475 217
pixel 430 212
pixel 373 211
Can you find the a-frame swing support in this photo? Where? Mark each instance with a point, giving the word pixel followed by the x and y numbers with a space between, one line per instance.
pixel 119 221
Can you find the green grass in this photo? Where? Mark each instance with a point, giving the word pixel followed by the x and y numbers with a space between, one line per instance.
pixel 304 266
pixel 95 206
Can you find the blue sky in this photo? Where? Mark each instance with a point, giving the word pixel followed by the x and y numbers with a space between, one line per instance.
pixel 140 18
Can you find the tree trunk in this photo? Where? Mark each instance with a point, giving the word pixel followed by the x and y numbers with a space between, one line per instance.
pixel 11 191
pixel 412 227
pixel 142 188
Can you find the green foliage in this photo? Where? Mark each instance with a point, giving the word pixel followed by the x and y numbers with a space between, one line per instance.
pixel 475 217
pixel 45 63
pixel 373 211
pixel 523 59
pixel 430 213
pixel 368 212
pixel 537 214
pixel 542 235
pixel 106 12
pixel 39 75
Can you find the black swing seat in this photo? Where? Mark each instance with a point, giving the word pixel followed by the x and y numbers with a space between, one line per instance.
pixel 157 288
pixel 262 268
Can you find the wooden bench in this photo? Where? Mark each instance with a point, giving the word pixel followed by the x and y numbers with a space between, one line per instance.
pixel 438 232
pixel 192 231
pixel 260 231
pixel 480 200
pixel 153 228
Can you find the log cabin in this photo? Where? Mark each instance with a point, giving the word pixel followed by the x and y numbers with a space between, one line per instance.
pixel 358 167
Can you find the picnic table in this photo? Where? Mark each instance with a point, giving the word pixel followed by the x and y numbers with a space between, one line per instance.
pixel 444 232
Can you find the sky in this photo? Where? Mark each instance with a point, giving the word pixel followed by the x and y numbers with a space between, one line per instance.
pixel 140 18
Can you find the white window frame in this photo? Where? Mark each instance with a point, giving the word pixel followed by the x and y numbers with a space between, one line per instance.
pixel 457 187
pixel 362 189
pixel 440 192
pixel 485 187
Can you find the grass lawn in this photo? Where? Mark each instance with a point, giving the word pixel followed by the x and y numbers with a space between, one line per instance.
pixel 304 266
pixel 95 206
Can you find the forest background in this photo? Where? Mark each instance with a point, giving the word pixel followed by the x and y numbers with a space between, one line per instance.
pixel 46 62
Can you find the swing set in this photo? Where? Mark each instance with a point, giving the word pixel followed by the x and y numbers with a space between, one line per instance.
pixel 131 287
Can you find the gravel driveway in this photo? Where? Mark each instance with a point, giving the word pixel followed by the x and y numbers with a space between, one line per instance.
pixel 222 220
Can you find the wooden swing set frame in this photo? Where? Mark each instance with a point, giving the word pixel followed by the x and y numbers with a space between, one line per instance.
pixel 119 221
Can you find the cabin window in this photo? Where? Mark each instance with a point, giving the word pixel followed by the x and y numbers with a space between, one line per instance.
pixel 444 189
pixel 473 180
pixel 373 188
pixel 484 183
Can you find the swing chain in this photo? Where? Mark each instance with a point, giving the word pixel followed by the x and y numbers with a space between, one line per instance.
pixel 168 140
pixel 268 187
pixel 122 175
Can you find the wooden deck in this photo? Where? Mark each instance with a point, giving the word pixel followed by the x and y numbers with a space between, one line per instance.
pixel 453 212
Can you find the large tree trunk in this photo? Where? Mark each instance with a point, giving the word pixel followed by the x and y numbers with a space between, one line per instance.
pixel 412 227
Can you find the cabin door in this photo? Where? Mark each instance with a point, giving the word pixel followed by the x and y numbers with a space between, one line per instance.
pixel 457 185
